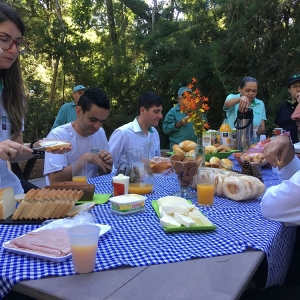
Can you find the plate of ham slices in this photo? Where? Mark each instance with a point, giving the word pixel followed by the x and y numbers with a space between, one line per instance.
pixel 46 243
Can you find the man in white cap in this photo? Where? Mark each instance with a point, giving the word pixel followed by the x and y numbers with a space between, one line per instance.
pixel 67 112
pixel 176 124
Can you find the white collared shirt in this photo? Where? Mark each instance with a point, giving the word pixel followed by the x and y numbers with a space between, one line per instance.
pixel 282 202
pixel 131 135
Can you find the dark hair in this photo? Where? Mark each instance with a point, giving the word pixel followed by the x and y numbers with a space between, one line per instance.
pixel 93 96
pixel 13 95
pixel 247 79
pixel 148 100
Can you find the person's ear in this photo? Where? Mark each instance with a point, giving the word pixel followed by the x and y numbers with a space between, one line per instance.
pixel 79 111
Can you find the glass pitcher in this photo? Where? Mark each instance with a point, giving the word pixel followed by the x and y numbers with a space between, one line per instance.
pixel 137 167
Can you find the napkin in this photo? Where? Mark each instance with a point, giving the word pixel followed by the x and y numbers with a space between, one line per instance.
pixel 98 199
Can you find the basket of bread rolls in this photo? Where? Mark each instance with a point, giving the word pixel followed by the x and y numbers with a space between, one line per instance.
pixel 160 165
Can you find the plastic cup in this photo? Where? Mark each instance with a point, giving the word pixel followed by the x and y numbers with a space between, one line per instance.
pixel 79 171
pixel 205 187
pixel 84 244
pixel 120 185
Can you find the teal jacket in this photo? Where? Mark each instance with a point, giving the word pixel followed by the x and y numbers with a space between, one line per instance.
pixel 66 114
pixel 177 135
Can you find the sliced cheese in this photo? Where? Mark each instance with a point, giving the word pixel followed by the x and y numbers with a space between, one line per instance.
pixel 166 221
pixel 179 208
pixel 184 220
pixel 199 218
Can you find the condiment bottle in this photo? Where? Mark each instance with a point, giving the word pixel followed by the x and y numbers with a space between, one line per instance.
pixel 225 133
pixel 120 185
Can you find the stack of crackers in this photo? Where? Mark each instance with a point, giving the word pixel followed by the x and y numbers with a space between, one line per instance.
pixel 46 204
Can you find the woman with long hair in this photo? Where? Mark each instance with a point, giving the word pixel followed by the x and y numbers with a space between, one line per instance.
pixel 13 103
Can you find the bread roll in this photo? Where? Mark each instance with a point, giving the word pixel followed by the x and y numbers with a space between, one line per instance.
pixel 177 149
pixel 187 145
pixel 215 162
pixel 210 149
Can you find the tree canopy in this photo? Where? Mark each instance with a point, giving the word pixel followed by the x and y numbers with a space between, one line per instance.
pixel 128 47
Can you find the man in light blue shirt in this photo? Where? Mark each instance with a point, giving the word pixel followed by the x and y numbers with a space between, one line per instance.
pixel 67 112
pixel 140 131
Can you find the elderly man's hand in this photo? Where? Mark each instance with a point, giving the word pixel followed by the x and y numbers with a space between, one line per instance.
pixel 279 152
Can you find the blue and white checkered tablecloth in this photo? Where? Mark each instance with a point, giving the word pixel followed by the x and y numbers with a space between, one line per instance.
pixel 139 240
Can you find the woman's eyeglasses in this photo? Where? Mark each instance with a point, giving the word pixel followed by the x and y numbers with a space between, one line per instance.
pixel 6 43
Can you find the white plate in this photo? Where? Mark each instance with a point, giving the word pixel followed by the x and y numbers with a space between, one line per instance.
pixel 103 230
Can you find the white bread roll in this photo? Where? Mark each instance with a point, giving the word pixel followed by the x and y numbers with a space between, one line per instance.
pixel 187 145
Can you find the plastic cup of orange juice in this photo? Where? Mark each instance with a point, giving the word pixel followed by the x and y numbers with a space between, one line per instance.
pixel 79 171
pixel 205 187
pixel 84 244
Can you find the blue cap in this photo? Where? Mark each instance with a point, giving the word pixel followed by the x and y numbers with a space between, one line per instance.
pixel 78 88
pixel 183 89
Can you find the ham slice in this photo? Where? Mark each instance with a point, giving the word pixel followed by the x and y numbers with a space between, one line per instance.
pixel 51 242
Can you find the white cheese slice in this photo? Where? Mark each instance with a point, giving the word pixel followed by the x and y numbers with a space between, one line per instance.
pixel 184 220
pixel 199 218
pixel 179 208
pixel 166 221
pixel 161 212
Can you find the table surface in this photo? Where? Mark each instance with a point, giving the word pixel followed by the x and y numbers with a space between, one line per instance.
pixel 210 272
pixel 216 278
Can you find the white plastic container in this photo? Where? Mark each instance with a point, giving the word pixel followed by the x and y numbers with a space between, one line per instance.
pixel 127 204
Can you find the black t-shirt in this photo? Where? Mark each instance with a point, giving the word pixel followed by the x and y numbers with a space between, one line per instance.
pixel 283 119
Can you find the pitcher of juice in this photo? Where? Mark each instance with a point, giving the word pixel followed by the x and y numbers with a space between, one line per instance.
pixel 137 167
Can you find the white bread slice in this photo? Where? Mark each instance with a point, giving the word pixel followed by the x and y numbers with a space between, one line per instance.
pixel 53 204
pixel 66 202
pixel 71 200
pixel 28 200
pixel 78 208
pixel 37 203
pixel 60 198
pixel 7 203
pixel 45 206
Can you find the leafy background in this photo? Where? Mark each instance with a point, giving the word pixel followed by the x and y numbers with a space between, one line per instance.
pixel 128 47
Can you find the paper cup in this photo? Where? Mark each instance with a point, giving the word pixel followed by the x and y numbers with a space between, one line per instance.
pixel 84 244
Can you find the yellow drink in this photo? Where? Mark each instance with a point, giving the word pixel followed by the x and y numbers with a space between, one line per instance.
pixel 84 257
pixel 79 178
pixel 140 188
pixel 205 193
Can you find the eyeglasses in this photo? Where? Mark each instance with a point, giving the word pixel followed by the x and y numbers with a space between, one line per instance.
pixel 6 43
pixel 295 86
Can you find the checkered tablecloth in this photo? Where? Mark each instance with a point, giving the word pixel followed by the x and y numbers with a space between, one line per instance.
pixel 139 240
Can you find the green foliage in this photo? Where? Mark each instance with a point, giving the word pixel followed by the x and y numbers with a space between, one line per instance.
pixel 218 42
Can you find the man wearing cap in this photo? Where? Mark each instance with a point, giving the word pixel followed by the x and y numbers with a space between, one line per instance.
pixel 283 117
pixel 67 112
pixel 176 124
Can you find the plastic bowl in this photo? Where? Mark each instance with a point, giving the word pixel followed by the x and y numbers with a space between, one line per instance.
pixel 219 154
pixel 238 157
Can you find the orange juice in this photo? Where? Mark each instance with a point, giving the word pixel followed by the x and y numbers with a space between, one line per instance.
pixel 140 188
pixel 79 178
pixel 84 257
pixel 205 193
pixel 225 133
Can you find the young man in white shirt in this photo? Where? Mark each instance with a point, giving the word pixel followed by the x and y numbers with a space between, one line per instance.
pixel 88 139
pixel 282 202
pixel 140 131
